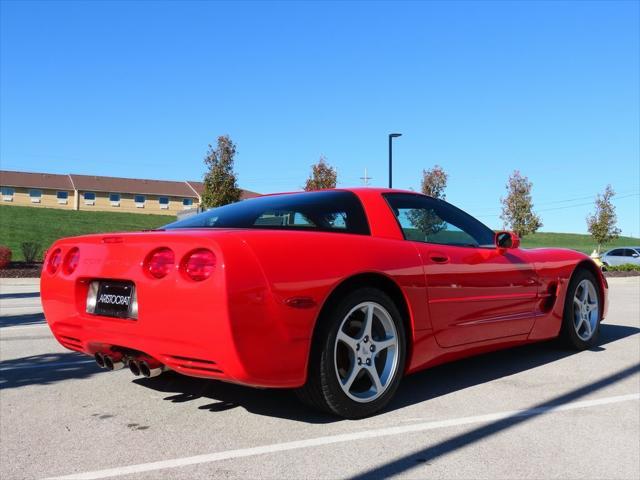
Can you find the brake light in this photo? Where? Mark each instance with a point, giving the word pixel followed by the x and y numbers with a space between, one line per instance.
pixel 199 264
pixel 159 262
pixel 71 261
pixel 55 259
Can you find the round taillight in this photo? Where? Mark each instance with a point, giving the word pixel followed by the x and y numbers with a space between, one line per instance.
pixel 71 261
pixel 55 259
pixel 159 262
pixel 199 264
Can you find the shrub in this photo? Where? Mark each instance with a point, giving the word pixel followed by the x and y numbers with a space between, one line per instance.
pixel 627 267
pixel 5 256
pixel 30 251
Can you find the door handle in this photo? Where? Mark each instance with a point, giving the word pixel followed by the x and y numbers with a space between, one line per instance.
pixel 438 258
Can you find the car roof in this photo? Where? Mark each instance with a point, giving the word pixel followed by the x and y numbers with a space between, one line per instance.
pixel 619 248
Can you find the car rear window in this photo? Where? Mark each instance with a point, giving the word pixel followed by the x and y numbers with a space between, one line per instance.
pixel 326 211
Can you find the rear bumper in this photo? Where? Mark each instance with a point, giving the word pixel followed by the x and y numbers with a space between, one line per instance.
pixel 187 326
pixel 197 342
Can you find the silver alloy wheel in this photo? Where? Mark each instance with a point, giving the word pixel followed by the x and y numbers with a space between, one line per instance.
pixel 585 310
pixel 366 352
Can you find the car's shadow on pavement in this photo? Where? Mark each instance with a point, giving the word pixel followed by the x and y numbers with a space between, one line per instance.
pixel 425 385
pixel 22 320
pixel 45 369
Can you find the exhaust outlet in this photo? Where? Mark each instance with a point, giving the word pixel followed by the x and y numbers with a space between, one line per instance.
pixel 134 366
pixel 113 364
pixel 99 359
pixel 148 371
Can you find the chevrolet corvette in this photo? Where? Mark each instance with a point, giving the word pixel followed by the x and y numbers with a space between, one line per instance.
pixel 337 294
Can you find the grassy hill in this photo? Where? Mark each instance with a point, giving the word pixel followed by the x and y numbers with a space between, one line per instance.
pixel 575 241
pixel 45 225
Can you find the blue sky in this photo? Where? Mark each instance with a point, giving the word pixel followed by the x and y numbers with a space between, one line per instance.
pixel 481 88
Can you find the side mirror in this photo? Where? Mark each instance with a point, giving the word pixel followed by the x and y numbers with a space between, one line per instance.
pixel 507 240
pixel 635 255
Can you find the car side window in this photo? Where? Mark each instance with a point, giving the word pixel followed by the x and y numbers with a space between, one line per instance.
pixel 618 252
pixel 426 219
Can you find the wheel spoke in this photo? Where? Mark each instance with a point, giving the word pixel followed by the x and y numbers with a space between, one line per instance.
pixel 577 304
pixel 584 294
pixel 578 323
pixel 347 340
pixel 375 378
pixel 587 326
pixel 353 374
pixel 368 321
pixel 384 344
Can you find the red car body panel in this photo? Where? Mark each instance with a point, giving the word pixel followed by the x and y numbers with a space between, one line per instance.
pixel 252 321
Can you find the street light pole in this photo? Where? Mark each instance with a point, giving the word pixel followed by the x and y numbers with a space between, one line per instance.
pixel 391 137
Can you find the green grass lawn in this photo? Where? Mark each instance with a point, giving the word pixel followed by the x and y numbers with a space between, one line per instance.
pixel 575 241
pixel 45 225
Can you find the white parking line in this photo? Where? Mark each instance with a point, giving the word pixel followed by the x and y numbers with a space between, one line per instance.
pixel 45 365
pixel 340 438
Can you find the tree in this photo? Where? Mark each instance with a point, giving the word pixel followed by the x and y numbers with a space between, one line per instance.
pixel 322 176
pixel 517 207
pixel 602 223
pixel 434 181
pixel 220 185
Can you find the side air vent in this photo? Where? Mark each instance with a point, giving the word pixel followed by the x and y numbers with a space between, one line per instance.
pixel 548 299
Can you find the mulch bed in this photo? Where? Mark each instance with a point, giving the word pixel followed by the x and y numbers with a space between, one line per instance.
pixel 622 274
pixel 21 270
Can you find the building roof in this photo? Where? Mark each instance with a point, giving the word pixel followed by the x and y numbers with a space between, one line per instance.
pixel 35 180
pixel 199 187
pixel 94 183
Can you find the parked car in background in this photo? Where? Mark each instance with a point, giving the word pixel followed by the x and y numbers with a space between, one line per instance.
pixel 621 256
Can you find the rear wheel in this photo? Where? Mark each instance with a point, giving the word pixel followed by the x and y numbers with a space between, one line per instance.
pixel 358 358
pixel 582 311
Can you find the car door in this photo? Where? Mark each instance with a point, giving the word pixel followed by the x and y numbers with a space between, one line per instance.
pixel 631 256
pixel 615 257
pixel 475 291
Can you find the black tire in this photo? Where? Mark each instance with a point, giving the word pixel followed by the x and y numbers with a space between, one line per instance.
pixel 323 390
pixel 568 332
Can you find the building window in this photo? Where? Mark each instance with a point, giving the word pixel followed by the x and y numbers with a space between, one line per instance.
pixel 187 203
pixel 139 199
pixel 7 194
pixel 89 198
pixel 164 202
pixel 35 195
pixel 62 197
pixel 114 199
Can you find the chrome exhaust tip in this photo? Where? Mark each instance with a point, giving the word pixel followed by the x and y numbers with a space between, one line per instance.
pixel 134 366
pixel 149 372
pixel 112 364
pixel 99 359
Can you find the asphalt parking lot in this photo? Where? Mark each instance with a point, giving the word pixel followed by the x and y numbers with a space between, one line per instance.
pixel 531 412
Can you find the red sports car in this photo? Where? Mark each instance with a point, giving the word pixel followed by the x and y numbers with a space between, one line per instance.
pixel 335 293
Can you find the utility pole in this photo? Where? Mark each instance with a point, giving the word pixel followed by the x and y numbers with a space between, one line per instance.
pixel 366 178
pixel 391 137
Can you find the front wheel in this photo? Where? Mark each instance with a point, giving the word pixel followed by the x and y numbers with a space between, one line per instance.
pixel 582 311
pixel 358 358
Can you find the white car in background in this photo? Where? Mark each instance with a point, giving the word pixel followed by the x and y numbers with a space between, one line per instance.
pixel 621 256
